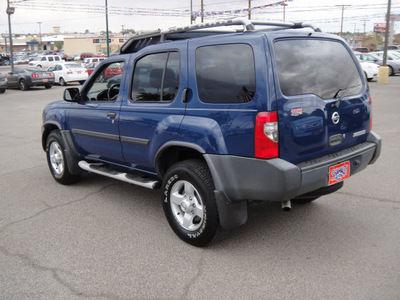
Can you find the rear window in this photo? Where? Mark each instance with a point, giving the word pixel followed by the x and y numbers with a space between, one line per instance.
pixel 320 67
pixel 225 73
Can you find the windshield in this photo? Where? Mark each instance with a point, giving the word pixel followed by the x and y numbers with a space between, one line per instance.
pixel 72 66
pixel 313 66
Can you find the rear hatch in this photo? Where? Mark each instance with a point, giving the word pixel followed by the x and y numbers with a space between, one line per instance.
pixel 322 98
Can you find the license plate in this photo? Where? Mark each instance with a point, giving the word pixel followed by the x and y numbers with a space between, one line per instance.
pixel 339 172
pixel 45 80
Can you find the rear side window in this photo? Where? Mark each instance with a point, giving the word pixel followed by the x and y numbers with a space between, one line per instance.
pixel 156 77
pixel 225 73
pixel 320 67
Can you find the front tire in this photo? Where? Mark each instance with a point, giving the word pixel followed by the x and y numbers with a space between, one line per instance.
pixel 56 159
pixel 189 202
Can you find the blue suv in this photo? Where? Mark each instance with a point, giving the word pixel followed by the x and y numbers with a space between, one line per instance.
pixel 263 111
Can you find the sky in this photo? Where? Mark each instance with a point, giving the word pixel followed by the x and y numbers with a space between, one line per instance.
pixel 78 16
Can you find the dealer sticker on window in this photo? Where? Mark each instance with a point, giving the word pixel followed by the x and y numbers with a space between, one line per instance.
pixel 339 172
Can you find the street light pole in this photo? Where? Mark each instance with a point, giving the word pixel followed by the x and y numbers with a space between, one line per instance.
pixel 249 9
pixel 284 11
pixel 10 11
pixel 386 34
pixel 202 11
pixel 40 35
pixel 108 43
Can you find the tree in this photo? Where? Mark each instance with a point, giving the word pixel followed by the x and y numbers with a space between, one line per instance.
pixel 59 45
pixel 128 31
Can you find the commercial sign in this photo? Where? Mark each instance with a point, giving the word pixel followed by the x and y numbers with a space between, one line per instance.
pixel 379 27
pixel 100 41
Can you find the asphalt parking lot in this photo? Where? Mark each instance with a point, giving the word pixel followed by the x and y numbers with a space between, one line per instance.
pixel 104 239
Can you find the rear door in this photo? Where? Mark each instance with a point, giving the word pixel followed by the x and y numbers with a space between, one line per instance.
pixel 322 97
pixel 152 112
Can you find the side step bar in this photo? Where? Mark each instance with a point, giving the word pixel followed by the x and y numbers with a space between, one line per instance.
pixel 129 178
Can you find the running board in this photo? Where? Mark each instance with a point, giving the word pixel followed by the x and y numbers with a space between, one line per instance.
pixel 129 178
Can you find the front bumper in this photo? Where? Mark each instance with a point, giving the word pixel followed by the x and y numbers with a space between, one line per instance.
pixel 241 178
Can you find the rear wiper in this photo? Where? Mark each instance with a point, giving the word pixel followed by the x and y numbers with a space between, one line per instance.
pixel 337 103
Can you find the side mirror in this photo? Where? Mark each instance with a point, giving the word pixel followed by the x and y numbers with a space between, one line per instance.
pixel 72 95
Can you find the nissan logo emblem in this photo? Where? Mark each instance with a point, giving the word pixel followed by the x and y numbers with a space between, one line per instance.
pixel 335 117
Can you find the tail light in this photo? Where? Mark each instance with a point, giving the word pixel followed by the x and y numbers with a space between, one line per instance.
pixel 266 137
pixel 370 114
pixel 51 74
pixel 35 75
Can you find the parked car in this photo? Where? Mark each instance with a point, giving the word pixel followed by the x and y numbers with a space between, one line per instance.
pixel 85 55
pixel 361 49
pixel 89 60
pixel 215 120
pixel 4 59
pixel 3 83
pixel 99 54
pixel 46 61
pixel 25 78
pixel 370 70
pixel 393 62
pixel 68 72
pixel 112 71
pixel 90 67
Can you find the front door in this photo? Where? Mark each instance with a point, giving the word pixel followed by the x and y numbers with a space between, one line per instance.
pixel 94 121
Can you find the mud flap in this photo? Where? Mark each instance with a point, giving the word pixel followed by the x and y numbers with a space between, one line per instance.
pixel 231 214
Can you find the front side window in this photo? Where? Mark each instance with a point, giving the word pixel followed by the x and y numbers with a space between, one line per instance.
pixel 105 86
pixel 320 67
pixel 156 77
pixel 56 58
pixel 225 73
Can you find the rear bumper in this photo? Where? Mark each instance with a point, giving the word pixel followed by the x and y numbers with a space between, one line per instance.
pixel 241 178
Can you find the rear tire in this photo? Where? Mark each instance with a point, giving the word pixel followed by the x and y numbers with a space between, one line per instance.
pixel 22 85
pixel 2 91
pixel 189 202
pixel 391 71
pixel 56 159
pixel 48 86
pixel 62 82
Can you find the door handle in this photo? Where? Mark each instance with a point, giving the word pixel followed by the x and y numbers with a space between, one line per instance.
pixel 111 115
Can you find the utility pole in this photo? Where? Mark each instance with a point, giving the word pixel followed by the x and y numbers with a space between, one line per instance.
pixel 10 11
pixel 202 11
pixel 249 9
pixel 341 26
pixel 364 32
pixel 40 35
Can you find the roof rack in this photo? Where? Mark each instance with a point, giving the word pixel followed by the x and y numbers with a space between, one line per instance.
pixel 138 42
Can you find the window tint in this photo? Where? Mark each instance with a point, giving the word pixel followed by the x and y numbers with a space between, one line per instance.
pixel 105 85
pixel 225 73
pixel 51 58
pixel 56 58
pixel 316 67
pixel 156 77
